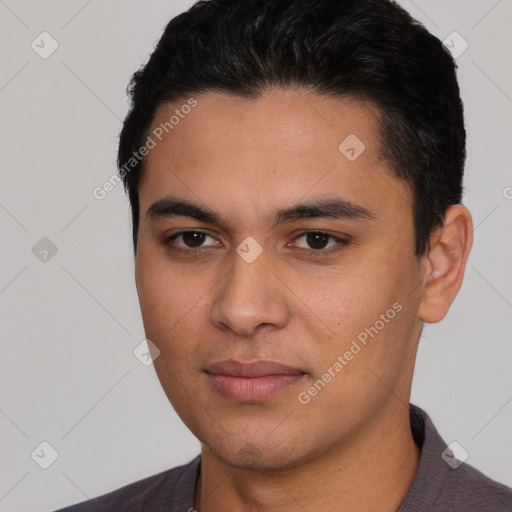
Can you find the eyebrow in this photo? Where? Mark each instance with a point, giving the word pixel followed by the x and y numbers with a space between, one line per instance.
pixel 334 208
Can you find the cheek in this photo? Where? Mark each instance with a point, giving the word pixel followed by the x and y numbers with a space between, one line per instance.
pixel 164 299
pixel 175 309
pixel 171 313
pixel 165 292
pixel 361 303
pixel 348 298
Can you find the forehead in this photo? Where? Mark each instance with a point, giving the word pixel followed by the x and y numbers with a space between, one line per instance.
pixel 286 143
pixel 280 120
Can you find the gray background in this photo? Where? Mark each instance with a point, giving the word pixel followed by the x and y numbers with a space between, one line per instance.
pixel 70 323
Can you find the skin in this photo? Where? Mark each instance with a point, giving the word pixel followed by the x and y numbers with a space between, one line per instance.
pixel 244 159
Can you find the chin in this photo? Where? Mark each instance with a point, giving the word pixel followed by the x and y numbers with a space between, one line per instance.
pixel 257 455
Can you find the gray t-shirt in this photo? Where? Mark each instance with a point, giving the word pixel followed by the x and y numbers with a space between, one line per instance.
pixel 440 484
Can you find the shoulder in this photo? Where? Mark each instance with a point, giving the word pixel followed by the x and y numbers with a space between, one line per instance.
pixel 175 486
pixel 444 483
pixel 465 485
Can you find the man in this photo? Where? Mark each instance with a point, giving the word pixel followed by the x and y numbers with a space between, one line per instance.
pixel 295 174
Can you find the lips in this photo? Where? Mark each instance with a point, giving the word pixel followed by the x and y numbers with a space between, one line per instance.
pixel 252 382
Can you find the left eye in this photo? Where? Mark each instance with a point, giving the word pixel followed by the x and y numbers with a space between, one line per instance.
pixel 318 241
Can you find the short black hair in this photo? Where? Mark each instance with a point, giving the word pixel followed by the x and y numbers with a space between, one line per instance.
pixel 371 50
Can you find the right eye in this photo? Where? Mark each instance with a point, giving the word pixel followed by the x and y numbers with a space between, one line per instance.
pixel 191 240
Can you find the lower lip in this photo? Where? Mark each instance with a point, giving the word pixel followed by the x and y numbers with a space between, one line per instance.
pixel 253 389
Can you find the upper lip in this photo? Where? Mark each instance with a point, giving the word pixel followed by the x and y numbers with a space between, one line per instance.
pixel 251 369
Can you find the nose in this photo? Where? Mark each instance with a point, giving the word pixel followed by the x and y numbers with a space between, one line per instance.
pixel 250 296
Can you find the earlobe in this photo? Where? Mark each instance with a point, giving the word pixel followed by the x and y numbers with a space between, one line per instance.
pixel 446 262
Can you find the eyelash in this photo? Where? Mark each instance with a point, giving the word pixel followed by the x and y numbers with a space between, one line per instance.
pixel 341 243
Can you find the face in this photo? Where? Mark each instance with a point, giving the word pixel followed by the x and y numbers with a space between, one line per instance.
pixel 276 274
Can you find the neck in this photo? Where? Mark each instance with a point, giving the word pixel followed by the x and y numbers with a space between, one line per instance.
pixel 373 472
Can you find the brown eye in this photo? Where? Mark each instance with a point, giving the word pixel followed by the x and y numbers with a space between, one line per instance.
pixel 317 240
pixel 319 243
pixel 190 240
pixel 193 238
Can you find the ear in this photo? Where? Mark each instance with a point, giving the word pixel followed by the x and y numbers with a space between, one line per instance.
pixel 446 262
